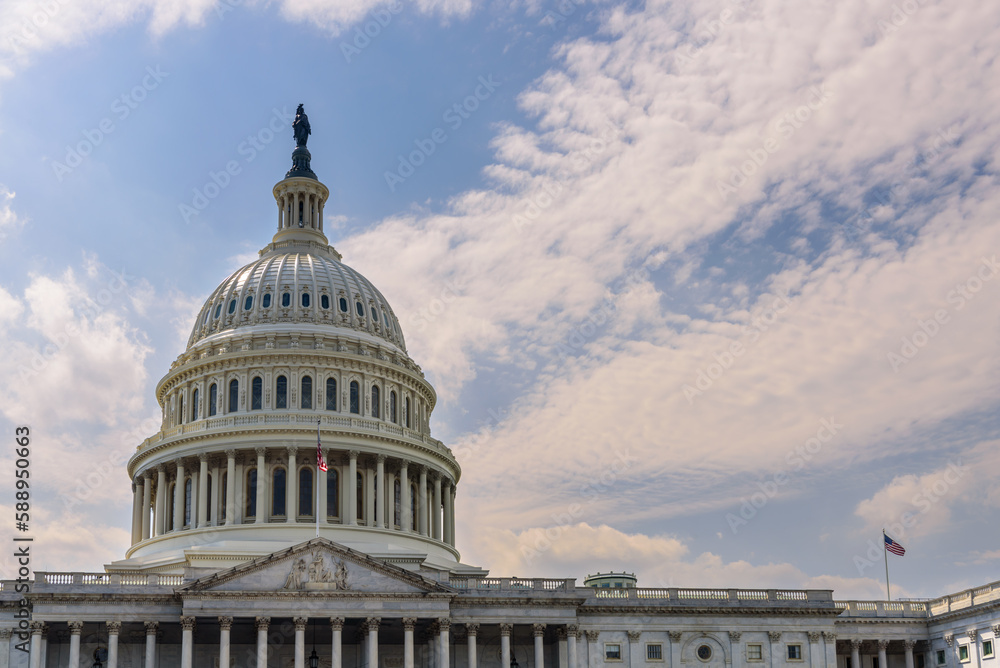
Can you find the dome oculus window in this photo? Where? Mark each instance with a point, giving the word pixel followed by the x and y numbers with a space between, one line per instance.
pixel 704 652
pixel 248 303
pixel 266 302
pixel 286 299
pixel 360 308
pixel 218 310
pixel 305 300
pixel 324 302
pixel 232 307
pixel 343 305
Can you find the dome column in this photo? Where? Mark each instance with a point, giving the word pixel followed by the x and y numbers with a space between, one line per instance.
pixel 446 491
pixel 291 488
pixel 369 496
pixel 422 502
pixel 147 500
pixel 230 487
pixel 179 496
pixel 404 496
pixel 436 508
pixel 351 485
pixel 381 491
pixel 137 493
pixel 261 489
pixel 203 490
pixel 161 500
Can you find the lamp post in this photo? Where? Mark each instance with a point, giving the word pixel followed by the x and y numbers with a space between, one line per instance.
pixel 313 658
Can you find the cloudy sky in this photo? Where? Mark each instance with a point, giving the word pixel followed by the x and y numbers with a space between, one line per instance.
pixel 709 289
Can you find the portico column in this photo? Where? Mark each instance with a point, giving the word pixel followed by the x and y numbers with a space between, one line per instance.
pixel 471 631
pixel 44 654
pixel 5 635
pixel 830 643
pixel 855 653
pixel 151 629
pixel 882 645
pixel 505 631
pixel 75 629
pixel 262 624
pixel 203 489
pixel 187 641
pixel 572 631
pixel 230 491
pixel 561 642
pixel 137 510
pixel 35 660
pixel 300 641
pixel 908 647
pixel 538 630
pixel 225 626
pixel 336 647
pixel 444 642
pixel 421 510
pixel 291 488
pixel 351 485
pixel 179 497
pixel 372 623
pixel 114 628
pixel 215 506
pixel 161 500
pixel 734 648
pixel 404 496
pixel 446 492
pixel 261 489
pixel 815 660
pixel 408 624
pixel 147 499
pixel 380 486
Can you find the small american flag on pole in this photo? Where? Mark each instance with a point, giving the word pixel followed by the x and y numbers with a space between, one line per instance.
pixel 893 546
pixel 320 462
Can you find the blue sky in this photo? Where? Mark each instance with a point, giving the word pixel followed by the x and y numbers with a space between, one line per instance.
pixel 708 289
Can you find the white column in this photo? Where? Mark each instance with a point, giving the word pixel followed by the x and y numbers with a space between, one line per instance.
pixel 300 641
pixel 777 658
pixel 74 643
pixel 373 642
pixel 351 485
pixel 179 497
pixel 444 642
pixel 336 648
pixel 44 654
pixel 446 494
pixel 261 489
pixel 203 489
pixel 187 641
pixel 436 509
pixel 262 624
pixel 830 643
pixel 408 624
pixel 195 500
pixel 137 510
pixel 291 488
pixel 160 516
pixel 908 647
pixel 380 486
pixel 214 503
pixel 675 647
pixel 421 510
pixel 239 484
pixel 855 654
pixel 225 626
pixel 390 500
pixel 505 631
pixel 35 660
pixel 404 495
pixel 572 631
pixel 151 629
pixel 452 491
pixel 816 659
pixel 472 630
pixel 538 631
pixel 114 628
pixel 369 497
pixel 882 645
pixel 147 500
pixel 734 649
pixel 230 490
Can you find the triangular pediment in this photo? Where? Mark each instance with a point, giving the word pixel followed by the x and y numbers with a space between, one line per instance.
pixel 318 565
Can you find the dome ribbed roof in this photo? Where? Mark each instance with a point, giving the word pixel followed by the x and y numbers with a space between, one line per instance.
pixel 297 286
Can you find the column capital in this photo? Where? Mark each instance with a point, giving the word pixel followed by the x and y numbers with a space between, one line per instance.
pixel 152 628
pixel 260 450
pixel 372 623
pixel 813 636
pixel 572 630
pixel 734 636
pixel 949 638
pixel 203 457
pixel 225 623
pixel 675 636
pixel 996 630
pixel 972 633
pixel 829 637
pixel 592 636
pixel 506 629
pixel 380 459
pixel 291 450
pixel 472 629
pixel 337 623
pixel 774 636
pixel 855 644
pixel 5 634
pixel 231 453
pixel 444 623
pixel 353 454
pixel 538 630
pixel 633 636
pixel 908 645
pixel 75 627
pixel 114 628
pixel 36 628
pixel 883 644
pixel 561 633
pixel 147 475
pixel 262 623
pixel 187 622
pixel 409 623
pixel 300 623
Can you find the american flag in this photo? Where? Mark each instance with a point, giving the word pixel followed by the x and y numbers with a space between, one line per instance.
pixel 320 462
pixel 893 546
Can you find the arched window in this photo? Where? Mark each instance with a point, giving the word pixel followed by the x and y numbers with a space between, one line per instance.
pixel 324 301
pixel 375 401
pixel 266 302
pixel 194 405
pixel 232 307
pixel 361 497
pixel 223 491
pixel 256 394
pixel 355 398
pixel 251 493
pixel 286 299
pixel 306 395
pixel 406 411
pixel 360 308
pixel 281 393
pixel 305 492
pixel 218 310
pixel 169 507
pixel 248 303
pixel 397 500
pixel 305 300
pixel 278 493
pixel 413 507
pixel 234 395
pixel 180 409
pixel 332 497
pixel 331 394
pixel 187 502
pixel 213 399
pixel 208 494
pixel 392 407
pixel 343 305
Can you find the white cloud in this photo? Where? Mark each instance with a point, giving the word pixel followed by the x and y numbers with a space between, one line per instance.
pixel 10 222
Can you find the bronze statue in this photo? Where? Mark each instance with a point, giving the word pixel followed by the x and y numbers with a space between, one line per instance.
pixel 300 127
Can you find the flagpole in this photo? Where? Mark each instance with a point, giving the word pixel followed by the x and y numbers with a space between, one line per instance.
pixel 885 553
pixel 317 477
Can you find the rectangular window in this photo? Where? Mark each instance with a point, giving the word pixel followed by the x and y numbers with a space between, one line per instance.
pixel 794 652
pixel 987 649
pixel 612 652
pixel 963 652
pixel 755 652
pixel 654 652
pixel 920 660
pixel 941 658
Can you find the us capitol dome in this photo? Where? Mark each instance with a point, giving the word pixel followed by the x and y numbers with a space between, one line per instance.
pixel 293 356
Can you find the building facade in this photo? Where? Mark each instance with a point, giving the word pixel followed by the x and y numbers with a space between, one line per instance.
pixel 294 509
